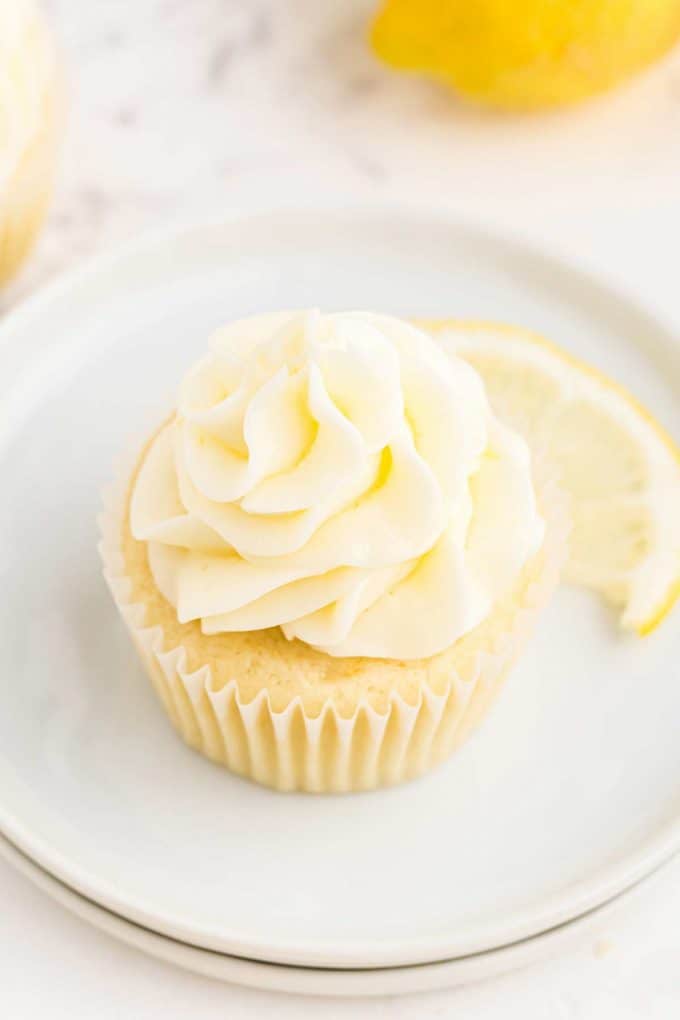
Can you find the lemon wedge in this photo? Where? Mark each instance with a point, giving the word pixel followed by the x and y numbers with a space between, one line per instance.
pixel 618 467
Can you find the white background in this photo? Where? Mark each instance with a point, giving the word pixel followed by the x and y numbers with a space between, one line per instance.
pixel 183 107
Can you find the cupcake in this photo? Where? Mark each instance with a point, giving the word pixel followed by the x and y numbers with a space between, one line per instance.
pixel 28 128
pixel 330 555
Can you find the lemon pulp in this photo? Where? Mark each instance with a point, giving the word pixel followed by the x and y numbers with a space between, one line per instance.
pixel 617 465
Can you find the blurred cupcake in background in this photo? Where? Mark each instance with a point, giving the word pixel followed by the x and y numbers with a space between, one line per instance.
pixel 29 114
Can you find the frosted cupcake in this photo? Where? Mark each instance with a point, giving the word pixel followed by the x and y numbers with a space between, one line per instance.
pixel 332 553
pixel 28 128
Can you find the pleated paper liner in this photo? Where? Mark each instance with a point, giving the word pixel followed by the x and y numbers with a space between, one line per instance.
pixel 322 747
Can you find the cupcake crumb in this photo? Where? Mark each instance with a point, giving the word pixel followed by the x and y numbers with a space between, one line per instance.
pixel 602 948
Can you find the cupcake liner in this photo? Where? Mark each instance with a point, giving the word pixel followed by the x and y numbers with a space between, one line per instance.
pixel 293 749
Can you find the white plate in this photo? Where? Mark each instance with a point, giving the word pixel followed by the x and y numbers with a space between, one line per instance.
pixel 316 980
pixel 568 794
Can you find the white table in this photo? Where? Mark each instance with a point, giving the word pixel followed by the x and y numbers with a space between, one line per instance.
pixel 180 109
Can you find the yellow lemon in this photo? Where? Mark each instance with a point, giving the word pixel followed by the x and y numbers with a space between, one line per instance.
pixel 618 467
pixel 526 54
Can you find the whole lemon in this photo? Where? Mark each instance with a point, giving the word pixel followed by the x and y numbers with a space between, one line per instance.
pixel 525 54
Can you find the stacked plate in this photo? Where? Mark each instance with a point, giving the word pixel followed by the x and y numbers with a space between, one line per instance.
pixel 565 799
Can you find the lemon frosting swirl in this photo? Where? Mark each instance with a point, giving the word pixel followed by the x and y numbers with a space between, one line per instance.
pixel 341 477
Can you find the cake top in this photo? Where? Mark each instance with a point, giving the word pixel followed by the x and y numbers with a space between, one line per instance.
pixel 341 477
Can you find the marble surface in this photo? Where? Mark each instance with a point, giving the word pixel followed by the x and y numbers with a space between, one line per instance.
pixel 180 109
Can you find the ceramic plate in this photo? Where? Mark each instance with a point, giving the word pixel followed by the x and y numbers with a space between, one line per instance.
pixel 321 981
pixel 568 794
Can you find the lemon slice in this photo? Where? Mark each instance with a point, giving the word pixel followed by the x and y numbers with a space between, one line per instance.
pixel 617 465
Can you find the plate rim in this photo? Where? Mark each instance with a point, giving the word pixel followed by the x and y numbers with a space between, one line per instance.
pixel 586 895
pixel 404 979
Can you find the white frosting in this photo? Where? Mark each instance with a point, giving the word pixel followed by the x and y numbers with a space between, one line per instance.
pixel 341 477
pixel 26 77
